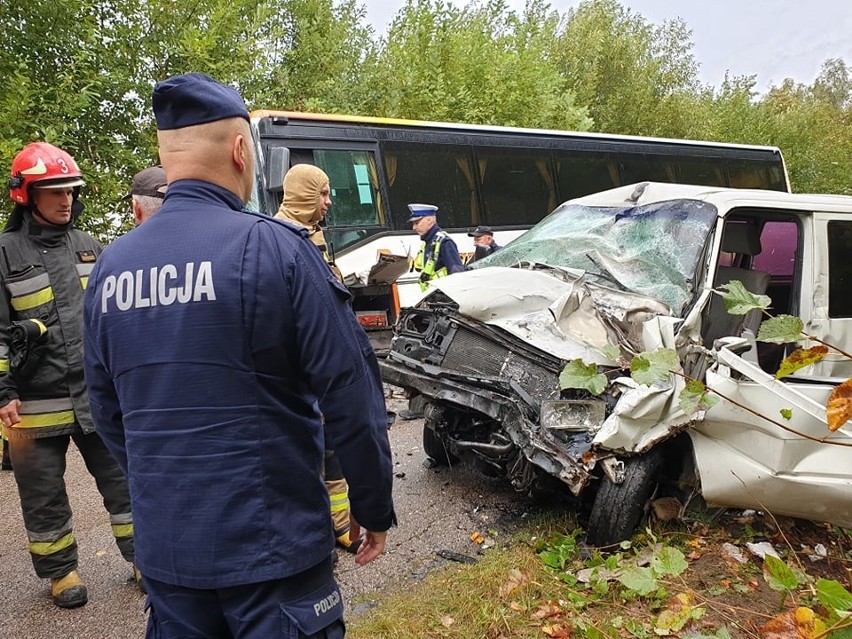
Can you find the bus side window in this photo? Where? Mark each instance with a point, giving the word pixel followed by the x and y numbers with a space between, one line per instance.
pixel 517 185
pixel 702 171
pixel 646 167
pixel 579 173
pixel 356 198
pixel 439 174
pixel 755 174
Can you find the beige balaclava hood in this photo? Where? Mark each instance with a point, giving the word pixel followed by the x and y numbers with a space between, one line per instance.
pixel 301 204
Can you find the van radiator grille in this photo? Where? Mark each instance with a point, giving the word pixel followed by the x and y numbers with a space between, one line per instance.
pixel 472 353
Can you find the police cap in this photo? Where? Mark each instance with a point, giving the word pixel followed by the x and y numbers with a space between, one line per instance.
pixel 194 98
pixel 421 210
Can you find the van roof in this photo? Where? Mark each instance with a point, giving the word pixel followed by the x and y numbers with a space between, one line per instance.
pixel 643 193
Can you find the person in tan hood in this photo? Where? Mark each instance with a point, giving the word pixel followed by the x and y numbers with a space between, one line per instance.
pixel 307 198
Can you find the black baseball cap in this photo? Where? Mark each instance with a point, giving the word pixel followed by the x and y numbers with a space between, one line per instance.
pixel 479 231
pixel 150 182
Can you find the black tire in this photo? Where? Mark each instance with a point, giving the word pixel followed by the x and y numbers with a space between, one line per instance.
pixel 620 508
pixel 435 449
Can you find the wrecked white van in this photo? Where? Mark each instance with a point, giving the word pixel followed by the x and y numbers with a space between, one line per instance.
pixel 623 272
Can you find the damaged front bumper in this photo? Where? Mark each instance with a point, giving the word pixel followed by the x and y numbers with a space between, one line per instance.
pixel 562 450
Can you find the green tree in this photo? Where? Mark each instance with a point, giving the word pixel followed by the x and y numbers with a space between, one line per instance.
pixel 481 64
pixel 79 74
pixel 632 75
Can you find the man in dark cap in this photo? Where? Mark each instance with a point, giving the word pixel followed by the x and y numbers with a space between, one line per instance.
pixel 147 192
pixel 212 361
pixel 483 240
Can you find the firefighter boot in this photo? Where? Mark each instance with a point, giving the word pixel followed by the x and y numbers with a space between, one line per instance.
pixel 140 580
pixel 338 492
pixel 69 591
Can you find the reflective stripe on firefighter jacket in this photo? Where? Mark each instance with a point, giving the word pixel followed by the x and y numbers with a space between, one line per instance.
pixel 44 270
pixel 427 270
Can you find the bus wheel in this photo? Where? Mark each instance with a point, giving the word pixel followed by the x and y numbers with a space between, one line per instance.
pixel 619 508
pixel 434 447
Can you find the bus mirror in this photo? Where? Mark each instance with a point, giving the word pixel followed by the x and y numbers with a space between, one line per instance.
pixel 277 164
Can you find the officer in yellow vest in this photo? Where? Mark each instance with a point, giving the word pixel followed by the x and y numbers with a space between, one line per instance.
pixel 439 255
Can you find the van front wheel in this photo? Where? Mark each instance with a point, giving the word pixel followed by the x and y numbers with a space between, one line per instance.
pixel 619 508
pixel 434 447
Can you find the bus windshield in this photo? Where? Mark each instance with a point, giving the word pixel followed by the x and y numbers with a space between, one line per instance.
pixel 652 250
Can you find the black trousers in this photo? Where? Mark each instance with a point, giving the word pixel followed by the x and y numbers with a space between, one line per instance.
pixel 39 467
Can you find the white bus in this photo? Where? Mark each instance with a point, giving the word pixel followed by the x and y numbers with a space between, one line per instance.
pixel 505 178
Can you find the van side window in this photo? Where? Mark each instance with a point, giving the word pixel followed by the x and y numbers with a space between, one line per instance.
pixel 839 269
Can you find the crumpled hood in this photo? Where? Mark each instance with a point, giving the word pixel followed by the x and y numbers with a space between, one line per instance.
pixel 554 310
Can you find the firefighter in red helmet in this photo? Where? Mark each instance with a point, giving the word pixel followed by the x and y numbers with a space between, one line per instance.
pixel 44 268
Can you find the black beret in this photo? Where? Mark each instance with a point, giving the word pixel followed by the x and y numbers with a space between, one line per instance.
pixel 195 98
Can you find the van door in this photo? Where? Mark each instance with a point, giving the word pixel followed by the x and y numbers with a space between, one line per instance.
pixel 748 452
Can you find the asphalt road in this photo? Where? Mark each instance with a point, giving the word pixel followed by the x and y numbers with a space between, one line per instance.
pixel 438 509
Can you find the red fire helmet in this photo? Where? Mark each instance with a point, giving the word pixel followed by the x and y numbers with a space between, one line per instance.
pixel 45 166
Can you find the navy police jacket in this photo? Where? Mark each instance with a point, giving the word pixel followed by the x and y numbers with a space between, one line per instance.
pixel 214 341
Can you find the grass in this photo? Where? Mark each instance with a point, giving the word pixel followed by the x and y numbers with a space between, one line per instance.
pixel 494 599
pixel 663 583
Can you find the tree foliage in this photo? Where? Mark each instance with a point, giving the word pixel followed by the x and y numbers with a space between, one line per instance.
pixel 79 74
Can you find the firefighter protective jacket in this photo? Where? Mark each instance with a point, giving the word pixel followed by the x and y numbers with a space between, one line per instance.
pixel 44 270
pixel 214 341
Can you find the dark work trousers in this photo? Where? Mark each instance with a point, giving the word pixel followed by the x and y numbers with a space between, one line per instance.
pixel 307 605
pixel 39 467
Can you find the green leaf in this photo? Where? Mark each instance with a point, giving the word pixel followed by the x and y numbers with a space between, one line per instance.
pixel 739 301
pixel 779 575
pixel 786 413
pixel 801 358
pixel 612 351
pixel 832 594
pixel 695 397
pixel 639 580
pixel 782 329
pixel 669 561
pixel 655 366
pixel 577 374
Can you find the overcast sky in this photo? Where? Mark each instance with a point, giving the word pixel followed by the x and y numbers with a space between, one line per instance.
pixel 772 39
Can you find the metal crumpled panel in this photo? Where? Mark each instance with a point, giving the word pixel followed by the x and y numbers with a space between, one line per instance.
pixel 645 415
pixel 565 316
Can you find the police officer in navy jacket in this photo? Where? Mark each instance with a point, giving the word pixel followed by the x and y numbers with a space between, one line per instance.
pixel 215 340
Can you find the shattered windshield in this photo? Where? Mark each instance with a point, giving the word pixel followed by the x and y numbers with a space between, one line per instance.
pixel 652 250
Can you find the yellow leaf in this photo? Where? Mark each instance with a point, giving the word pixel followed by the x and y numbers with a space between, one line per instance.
pixel 800 623
pixel 476 537
pixel 839 407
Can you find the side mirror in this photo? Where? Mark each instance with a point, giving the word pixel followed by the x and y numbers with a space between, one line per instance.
pixel 277 164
